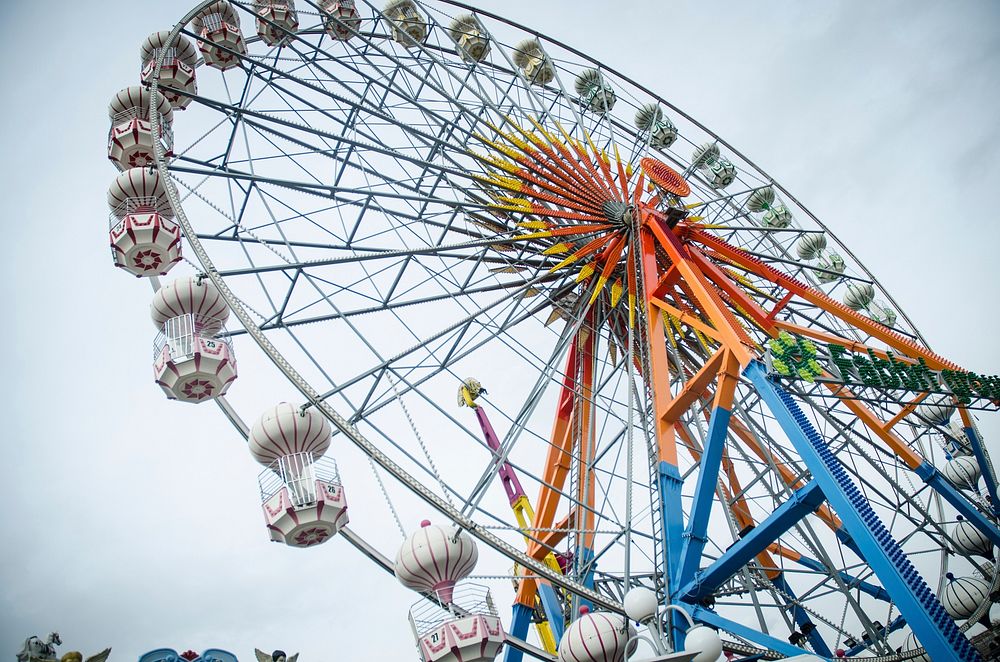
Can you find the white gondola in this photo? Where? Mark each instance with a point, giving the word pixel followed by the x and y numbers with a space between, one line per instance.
pixel 130 138
pixel 773 212
pixel 472 42
pixel 935 413
pixel 717 170
pixel 342 19
pixel 861 296
pixel 145 241
pixel 409 27
pixel 177 73
pixel 466 627
pixel 220 37
pixel 968 539
pixel 963 472
pixel 963 595
pixel 595 92
pixel 533 62
pixel 191 363
pixel 277 20
pixel 662 132
pixel 301 494
pixel 813 247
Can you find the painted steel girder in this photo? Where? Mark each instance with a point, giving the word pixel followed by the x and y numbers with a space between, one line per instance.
pixel 802 502
pixel 933 627
pixel 977 449
pixel 708 474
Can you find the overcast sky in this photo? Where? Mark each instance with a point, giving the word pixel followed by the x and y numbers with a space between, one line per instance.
pixel 130 521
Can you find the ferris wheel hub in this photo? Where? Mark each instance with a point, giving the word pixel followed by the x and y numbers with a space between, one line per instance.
pixel 619 212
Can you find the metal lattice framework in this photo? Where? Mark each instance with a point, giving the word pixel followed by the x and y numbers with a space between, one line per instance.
pixel 390 207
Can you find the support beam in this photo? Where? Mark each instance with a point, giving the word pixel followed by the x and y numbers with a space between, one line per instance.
pixel 685 317
pixel 733 336
pixel 695 387
pixel 977 449
pixel 708 474
pixel 876 425
pixel 751 634
pixel 670 484
pixel 586 447
pixel 919 465
pixel 916 602
pixel 737 294
pixel 942 486
pixel 733 493
pixel 557 466
pixel 668 474
pixel 873 590
pixel 519 622
pixel 553 612
pixel 659 377
pixel 802 620
pixel 877 330
pixel 802 502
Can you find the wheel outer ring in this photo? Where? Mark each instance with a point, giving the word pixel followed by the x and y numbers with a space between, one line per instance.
pixel 313 397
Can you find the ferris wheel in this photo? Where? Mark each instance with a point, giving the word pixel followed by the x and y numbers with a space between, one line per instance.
pixel 572 350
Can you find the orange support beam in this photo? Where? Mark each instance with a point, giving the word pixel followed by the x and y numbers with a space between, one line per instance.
pixel 905 411
pixel 750 307
pixel 876 425
pixel 685 318
pixel 695 387
pixel 787 475
pixel 559 459
pixel 557 465
pixel 586 486
pixel 731 333
pixel 821 300
pixel 659 378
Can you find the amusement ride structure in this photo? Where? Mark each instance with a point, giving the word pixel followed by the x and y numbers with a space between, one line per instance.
pixel 705 427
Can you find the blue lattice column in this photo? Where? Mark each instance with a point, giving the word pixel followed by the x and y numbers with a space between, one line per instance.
pixel 916 602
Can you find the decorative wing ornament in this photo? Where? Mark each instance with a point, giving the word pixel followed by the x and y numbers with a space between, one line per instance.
pixel 294 658
pixel 469 391
pixel 100 657
pixel 261 655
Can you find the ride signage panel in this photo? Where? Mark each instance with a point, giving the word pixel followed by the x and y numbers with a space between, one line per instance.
pixel 794 357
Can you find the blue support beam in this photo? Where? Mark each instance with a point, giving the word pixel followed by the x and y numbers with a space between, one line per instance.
pixel 584 559
pixel 672 519
pixel 977 450
pixel 672 515
pixel 873 590
pixel 704 495
pixel 802 620
pixel 553 610
pixel 942 486
pixel 709 617
pixel 896 624
pixel 802 502
pixel 916 602
pixel 519 623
